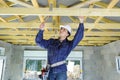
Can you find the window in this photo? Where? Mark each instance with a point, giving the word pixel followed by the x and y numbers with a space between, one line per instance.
pixel 33 68
pixel 34 61
pixel 1 68
pixel 2 63
pixel 118 64
pixel 74 70
pixel 2 51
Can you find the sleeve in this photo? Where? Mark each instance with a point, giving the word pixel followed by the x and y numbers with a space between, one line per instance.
pixel 40 41
pixel 78 36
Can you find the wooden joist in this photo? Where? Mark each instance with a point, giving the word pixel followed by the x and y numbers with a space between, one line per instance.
pixel 34 25
pixel 60 11
pixel 23 33
pixel 52 33
pixel 10 37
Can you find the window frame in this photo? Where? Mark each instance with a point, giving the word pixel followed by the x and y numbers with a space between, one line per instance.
pixel 118 64
pixel 42 55
pixel 3 68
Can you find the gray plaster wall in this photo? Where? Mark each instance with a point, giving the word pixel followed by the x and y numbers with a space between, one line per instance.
pixel 109 52
pixel 14 61
pixel 92 64
pixel 98 62
pixel 92 61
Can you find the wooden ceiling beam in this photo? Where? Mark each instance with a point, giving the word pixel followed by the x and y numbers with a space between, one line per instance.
pixel 55 19
pixel 85 38
pixel 99 4
pixel 70 17
pixel 11 18
pixel 35 25
pixel 98 42
pixel 4 3
pixel 112 4
pixel 52 33
pixel 90 39
pixel 20 19
pixel 91 6
pixel 105 20
pixel 34 41
pixel 93 17
pixel 101 38
pixel 21 3
pixel 60 12
pixel 84 3
pixel 103 5
pixel 36 5
pixel 81 43
pixel 2 19
pixel 29 43
pixel 10 3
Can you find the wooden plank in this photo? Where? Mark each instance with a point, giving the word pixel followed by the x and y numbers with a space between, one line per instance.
pixel 27 41
pixel 70 17
pixel 85 38
pixel 103 5
pixel 33 43
pixel 35 4
pixel 85 3
pixel 60 11
pixel 112 4
pixel 35 25
pixel 5 4
pixel 21 3
pixel 2 19
pixel 105 20
pixel 52 33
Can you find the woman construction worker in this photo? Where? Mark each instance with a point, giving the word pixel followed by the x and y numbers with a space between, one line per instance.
pixel 59 49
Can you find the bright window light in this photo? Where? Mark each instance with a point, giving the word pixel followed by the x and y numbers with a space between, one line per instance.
pixel 1 68
pixel 70 66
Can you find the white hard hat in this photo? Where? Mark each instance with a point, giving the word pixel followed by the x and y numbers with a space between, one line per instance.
pixel 66 27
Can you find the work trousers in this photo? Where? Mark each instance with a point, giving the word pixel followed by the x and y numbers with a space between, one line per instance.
pixel 57 76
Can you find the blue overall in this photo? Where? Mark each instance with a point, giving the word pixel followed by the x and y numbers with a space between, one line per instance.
pixel 58 51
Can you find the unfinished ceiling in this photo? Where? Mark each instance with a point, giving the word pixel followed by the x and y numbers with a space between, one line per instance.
pixel 20 20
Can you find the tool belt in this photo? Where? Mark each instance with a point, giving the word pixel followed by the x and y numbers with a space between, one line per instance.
pixel 56 64
pixel 46 71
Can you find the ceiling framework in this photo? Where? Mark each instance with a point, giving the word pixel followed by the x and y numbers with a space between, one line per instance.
pixel 17 25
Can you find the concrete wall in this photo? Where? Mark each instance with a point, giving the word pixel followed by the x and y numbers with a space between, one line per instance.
pixel 109 52
pixel 92 61
pixel 98 62
pixel 8 53
pixel 92 64
pixel 14 61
